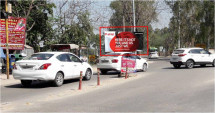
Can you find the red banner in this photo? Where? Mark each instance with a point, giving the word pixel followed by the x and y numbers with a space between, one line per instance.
pixel 128 63
pixel 16 33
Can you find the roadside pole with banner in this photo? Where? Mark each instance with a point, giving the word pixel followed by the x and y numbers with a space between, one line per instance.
pixel 129 64
pixel 12 35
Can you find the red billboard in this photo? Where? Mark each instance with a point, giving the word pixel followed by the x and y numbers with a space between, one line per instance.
pixel 16 33
pixel 126 41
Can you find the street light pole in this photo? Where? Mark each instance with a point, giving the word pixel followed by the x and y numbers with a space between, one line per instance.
pixel 7 49
pixel 134 16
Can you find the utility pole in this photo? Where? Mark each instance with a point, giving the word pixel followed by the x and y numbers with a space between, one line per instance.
pixel 179 40
pixel 123 17
pixel 7 38
pixel 134 16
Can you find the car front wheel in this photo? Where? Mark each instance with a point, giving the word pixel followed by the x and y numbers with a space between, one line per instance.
pixel 88 75
pixel 26 83
pixel 189 64
pixel 58 81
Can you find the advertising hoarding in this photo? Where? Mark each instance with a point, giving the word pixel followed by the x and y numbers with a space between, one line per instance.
pixel 16 33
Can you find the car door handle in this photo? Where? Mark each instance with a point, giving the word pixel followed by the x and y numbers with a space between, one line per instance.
pixel 75 65
pixel 62 65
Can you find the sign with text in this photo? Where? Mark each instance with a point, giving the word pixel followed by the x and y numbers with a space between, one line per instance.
pixel 124 42
pixel 16 33
pixel 128 63
pixel 127 41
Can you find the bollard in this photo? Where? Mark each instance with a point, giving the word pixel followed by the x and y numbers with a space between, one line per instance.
pixel 98 78
pixel 80 82
pixel 126 73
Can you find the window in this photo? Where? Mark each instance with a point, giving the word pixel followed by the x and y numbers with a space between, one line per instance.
pixel 63 58
pixel 39 57
pixel 178 51
pixel 74 58
pixel 195 51
pixel 204 52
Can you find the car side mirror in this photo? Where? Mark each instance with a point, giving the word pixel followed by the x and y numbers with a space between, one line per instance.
pixel 209 53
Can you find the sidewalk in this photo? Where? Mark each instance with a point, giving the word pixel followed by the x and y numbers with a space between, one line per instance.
pixel 4 81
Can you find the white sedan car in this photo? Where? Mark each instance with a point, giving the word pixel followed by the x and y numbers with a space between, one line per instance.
pixel 109 63
pixel 54 66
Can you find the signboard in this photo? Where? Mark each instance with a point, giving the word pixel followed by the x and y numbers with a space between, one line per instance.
pixel 123 42
pixel 109 35
pixel 129 63
pixel 201 45
pixel 16 33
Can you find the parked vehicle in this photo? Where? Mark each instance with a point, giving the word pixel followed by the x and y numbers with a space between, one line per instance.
pixel 54 66
pixel 153 55
pixel 2 60
pixel 109 63
pixel 191 56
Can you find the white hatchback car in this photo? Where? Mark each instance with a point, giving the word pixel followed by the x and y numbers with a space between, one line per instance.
pixel 191 56
pixel 54 66
pixel 109 63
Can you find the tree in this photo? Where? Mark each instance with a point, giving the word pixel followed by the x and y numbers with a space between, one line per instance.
pixel 145 12
pixel 196 21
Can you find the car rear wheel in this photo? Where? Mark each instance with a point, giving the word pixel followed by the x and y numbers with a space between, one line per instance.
pixel 176 66
pixel 103 71
pixel 144 68
pixel 26 83
pixel 88 74
pixel 58 79
pixel 189 64
pixel 213 63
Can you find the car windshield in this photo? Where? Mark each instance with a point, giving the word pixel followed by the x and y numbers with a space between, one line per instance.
pixel 40 56
pixel 178 51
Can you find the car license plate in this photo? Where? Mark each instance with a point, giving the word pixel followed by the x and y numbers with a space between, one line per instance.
pixel 104 61
pixel 27 67
pixel 175 58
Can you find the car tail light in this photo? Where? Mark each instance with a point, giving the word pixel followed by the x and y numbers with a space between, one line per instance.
pixel 44 66
pixel 181 55
pixel 14 67
pixel 114 60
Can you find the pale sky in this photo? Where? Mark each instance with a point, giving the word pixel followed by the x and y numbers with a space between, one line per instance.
pixel 100 9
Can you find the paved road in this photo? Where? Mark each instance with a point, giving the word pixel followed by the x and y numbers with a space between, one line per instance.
pixel 161 89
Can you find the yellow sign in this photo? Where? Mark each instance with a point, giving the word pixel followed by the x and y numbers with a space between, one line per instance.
pixel 201 45
pixel 92 58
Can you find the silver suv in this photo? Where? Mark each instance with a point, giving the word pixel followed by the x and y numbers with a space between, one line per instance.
pixel 191 56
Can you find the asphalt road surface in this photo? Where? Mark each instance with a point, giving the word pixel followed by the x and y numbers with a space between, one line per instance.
pixel 161 89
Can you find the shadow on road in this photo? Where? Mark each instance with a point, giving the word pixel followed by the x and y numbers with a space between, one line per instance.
pixel 159 59
pixel 41 84
pixel 195 67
